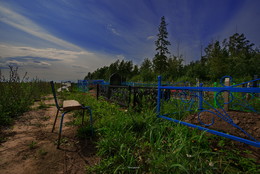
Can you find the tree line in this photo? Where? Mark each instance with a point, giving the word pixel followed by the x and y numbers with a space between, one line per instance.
pixel 235 56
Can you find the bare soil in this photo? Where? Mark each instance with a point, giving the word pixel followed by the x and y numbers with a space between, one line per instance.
pixel 250 122
pixel 30 146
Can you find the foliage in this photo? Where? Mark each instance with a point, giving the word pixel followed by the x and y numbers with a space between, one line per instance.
pixel 145 71
pixel 131 142
pixel 160 59
pixel 175 68
pixel 125 68
pixel 161 43
pixel 17 94
pixel 234 56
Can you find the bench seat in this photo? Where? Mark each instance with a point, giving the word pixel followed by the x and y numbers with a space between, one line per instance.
pixel 69 105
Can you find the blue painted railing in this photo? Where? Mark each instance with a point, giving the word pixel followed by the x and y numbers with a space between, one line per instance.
pixel 83 85
pixel 197 94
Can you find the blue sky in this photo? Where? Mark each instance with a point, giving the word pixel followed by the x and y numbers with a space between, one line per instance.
pixel 66 39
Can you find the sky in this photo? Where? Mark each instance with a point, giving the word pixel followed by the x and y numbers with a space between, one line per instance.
pixel 65 39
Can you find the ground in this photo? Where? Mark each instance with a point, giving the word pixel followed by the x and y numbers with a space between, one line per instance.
pixel 30 146
pixel 248 121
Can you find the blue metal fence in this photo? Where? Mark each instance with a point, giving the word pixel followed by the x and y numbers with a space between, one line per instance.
pixel 83 85
pixel 200 96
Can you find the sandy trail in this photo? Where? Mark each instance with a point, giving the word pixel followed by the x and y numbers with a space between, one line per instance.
pixel 31 147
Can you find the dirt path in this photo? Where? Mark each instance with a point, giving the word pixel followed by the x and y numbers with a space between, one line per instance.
pixel 31 147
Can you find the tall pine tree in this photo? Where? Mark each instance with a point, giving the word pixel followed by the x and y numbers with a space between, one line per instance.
pixel 160 59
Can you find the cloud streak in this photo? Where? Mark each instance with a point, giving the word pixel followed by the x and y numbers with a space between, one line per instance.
pixel 55 64
pixel 22 23
pixel 113 30
pixel 50 53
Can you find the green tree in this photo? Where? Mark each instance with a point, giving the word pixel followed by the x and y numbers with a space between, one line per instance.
pixel 174 68
pixel 241 55
pixel 114 67
pixel 217 58
pixel 125 69
pixel 146 70
pixel 160 59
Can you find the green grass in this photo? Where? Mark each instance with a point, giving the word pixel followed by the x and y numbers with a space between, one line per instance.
pixel 17 94
pixel 131 142
pixel 32 145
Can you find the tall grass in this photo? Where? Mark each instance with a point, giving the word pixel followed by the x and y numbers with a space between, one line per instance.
pixel 131 142
pixel 17 94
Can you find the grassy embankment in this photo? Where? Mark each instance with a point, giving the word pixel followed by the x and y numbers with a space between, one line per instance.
pixel 137 142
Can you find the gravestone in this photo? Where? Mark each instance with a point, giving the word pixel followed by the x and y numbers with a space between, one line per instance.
pixel 115 79
pixel 226 95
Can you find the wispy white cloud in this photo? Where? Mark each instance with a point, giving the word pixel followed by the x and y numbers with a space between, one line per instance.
pixel 80 66
pixel 12 63
pixel 52 53
pixel 150 38
pixel 55 64
pixel 20 22
pixel 17 62
pixel 112 29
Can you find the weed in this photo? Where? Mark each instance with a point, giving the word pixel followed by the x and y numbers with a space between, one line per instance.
pixel 45 118
pixel 84 132
pixel 42 152
pixel 37 124
pixel 17 94
pixel 43 105
pixel 32 145
pixel 62 141
pixel 3 139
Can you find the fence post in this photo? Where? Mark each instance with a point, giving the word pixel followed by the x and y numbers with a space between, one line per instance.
pixel 135 97
pixel 197 85
pixel 129 95
pixel 255 85
pixel 215 95
pixel 108 92
pixel 226 95
pixel 200 98
pixel 159 96
pixel 97 92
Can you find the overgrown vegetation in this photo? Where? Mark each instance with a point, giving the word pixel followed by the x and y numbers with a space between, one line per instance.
pixel 131 142
pixel 17 94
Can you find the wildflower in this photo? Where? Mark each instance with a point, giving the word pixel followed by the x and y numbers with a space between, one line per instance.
pixel 188 155
pixel 211 164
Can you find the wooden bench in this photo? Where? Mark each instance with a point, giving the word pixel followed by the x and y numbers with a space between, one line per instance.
pixel 67 106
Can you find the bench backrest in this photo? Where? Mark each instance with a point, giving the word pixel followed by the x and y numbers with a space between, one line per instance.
pixel 54 94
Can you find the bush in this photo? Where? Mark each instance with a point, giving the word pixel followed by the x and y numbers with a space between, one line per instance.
pixel 18 94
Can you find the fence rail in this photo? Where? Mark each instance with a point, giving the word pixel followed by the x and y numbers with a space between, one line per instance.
pixel 128 95
pixel 224 98
pixel 215 101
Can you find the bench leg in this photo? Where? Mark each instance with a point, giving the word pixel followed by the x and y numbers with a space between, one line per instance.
pixel 90 120
pixel 61 122
pixel 83 113
pixel 53 127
